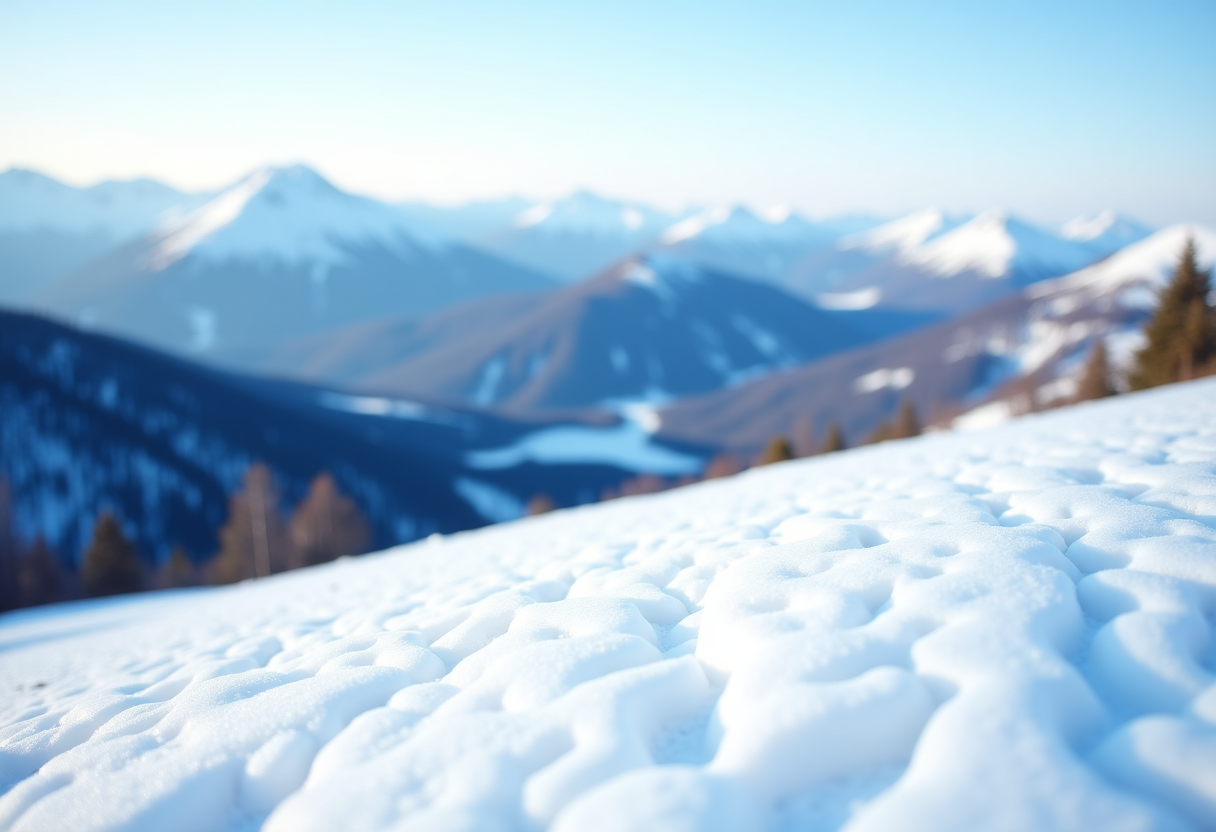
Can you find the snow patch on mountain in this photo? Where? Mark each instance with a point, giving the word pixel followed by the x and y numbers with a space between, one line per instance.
pixel 627 446
pixel 849 301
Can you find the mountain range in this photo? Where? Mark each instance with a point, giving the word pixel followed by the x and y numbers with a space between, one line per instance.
pixel 188 271
pixel 1022 351
pixel 651 328
pixel 281 254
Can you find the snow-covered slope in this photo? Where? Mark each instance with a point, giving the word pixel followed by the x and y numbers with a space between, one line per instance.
pixel 1149 262
pixel 280 254
pixel 958 632
pixel 996 245
pixel 286 215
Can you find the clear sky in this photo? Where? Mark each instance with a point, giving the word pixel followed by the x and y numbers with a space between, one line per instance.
pixel 1049 108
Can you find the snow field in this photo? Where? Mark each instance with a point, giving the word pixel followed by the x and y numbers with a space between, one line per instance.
pixel 1000 630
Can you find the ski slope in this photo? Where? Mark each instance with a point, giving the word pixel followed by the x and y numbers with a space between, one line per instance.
pixel 1000 630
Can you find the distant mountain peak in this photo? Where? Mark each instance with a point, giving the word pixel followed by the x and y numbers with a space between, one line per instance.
pixel 586 212
pixel 286 214
pixel 1106 231
pixel 902 234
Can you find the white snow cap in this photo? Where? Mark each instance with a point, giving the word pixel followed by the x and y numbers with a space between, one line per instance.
pixel 904 234
pixel 957 632
pixel 1088 227
pixel 290 215
pixel 734 225
pixel 586 213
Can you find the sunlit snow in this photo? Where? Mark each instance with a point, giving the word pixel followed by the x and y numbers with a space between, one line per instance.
pixel 964 631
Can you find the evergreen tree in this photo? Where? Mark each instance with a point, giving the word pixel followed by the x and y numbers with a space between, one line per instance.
pixel 723 465
pixel 907 422
pixel 327 525
pixel 254 542
pixel 111 566
pixel 804 436
pixel 540 504
pixel 1180 339
pixel 39 575
pixel 178 571
pixel 1095 378
pixel 777 450
pixel 833 440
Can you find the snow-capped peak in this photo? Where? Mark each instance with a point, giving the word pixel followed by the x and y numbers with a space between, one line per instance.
pixel 1088 226
pixel 1106 231
pixel 289 215
pixel 584 212
pixel 995 244
pixel 737 224
pixel 903 234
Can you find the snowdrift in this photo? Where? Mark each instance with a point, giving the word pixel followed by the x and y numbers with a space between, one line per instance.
pixel 1001 630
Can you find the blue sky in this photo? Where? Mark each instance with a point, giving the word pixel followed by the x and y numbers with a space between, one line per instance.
pixel 1049 108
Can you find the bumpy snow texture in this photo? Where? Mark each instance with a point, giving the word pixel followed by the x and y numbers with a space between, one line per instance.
pixel 1010 630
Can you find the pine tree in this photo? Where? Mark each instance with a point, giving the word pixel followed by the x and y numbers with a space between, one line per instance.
pixel 111 566
pixel 39 575
pixel 1095 377
pixel 833 440
pixel 254 542
pixel 723 465
pixel 907 422
pixel 777 450
pixel 327 525
pixel 804 436
pixel 1180 339
pixel 178 571
pixel 540 504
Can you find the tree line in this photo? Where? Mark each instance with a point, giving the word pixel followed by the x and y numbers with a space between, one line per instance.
pixel 257 540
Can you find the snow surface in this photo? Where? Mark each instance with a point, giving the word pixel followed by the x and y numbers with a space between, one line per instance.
pixel 1006 630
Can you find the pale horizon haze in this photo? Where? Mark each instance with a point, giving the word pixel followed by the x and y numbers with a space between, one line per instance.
pixel 1049 109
